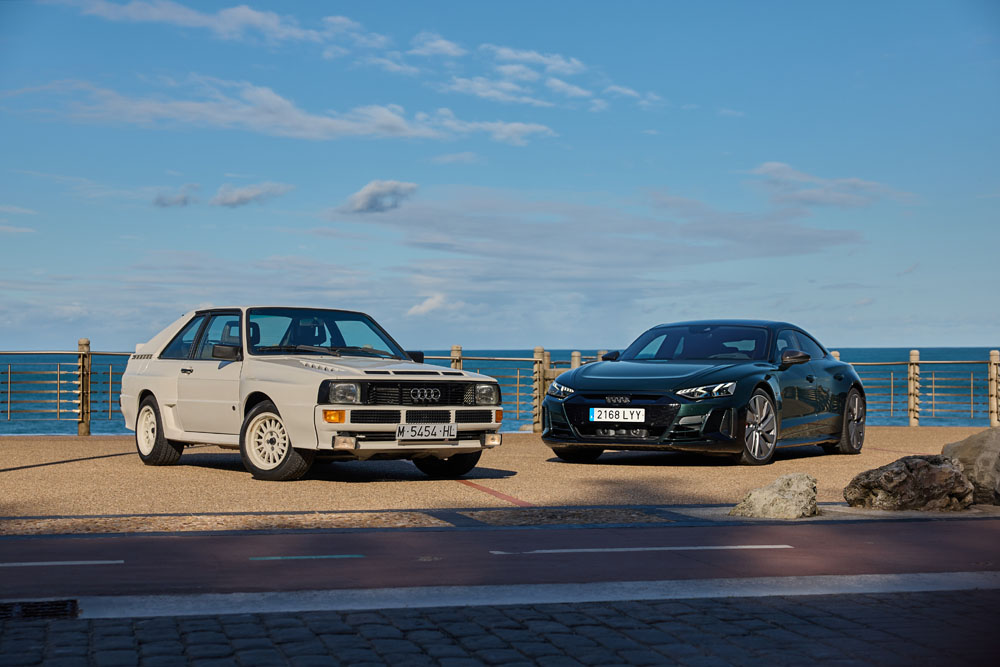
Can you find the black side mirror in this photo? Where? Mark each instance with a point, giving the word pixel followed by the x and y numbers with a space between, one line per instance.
pixel 792 357
pixel 417 357
pixel 226 352
pixel 611 356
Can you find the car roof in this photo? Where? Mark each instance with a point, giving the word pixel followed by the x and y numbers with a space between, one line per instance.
pixel 770 324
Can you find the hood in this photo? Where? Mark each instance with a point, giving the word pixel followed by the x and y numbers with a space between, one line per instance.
pixel 368 368
pixel 655 375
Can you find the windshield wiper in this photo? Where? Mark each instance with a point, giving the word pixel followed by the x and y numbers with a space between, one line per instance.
pixel 365 350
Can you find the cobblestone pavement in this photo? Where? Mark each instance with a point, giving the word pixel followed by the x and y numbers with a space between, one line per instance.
pixel 953 628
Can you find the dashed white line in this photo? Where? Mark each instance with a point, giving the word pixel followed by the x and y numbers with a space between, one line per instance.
pixel 613 550
pixel 62 563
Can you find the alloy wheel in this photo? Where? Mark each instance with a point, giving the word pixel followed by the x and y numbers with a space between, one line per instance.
pixel 146 430
pixel 856 421
pixel 761 428
pixel 268 441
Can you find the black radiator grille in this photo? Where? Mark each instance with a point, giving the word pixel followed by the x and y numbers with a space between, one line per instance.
pixel 473 416
pixel 374 416
pixel 428 416
pixel 401 393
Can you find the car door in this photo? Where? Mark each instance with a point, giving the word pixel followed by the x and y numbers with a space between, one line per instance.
pixel 799 397
pixel 208 389
pixel 827 422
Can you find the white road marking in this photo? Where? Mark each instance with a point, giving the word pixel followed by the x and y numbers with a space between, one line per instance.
pixel 56 563
pixel 210 604
pixel 612 550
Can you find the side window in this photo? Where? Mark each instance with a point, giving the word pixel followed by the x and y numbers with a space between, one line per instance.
pixel 787 340
pixel 180 346
pixel 810 347
pixel 222 329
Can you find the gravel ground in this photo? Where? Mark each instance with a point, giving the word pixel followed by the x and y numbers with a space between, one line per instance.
pixel 69 476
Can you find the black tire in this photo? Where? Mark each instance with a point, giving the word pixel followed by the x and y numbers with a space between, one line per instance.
pixel 454 466
pixel 760 430
pixel 577 454
pixel 153 447
pixel 852 432
pixel 266 448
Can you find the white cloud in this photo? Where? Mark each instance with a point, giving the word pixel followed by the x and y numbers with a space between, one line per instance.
pixel 9 229
pixel 431 303
pixel 233 197
pixel 597 105
pixel 791 186
pixel 644 100
pixel 180 197
pixel 510 133
pixel 517 72
pixel 489 89
pixel 343 27
pixel 391 62
pixel 380 196
pixel 432 44
pixel 17 210
pixel 567 89
pixel 552 62
pixel 623 91
pixel 467 157
pixel 731 113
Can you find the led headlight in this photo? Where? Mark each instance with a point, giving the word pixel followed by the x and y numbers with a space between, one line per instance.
pixel 709 391
pixel 487 394
pixel 559 390
pixel 344 392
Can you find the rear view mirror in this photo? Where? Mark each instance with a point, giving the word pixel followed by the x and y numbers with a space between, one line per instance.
pixel 416 356
pixel 226 352
pixel 611 356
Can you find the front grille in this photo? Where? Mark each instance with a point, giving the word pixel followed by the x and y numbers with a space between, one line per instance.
pixel 428 416
pixel 658 419
pixel 375 416
pixel 399 393
pixel 473 416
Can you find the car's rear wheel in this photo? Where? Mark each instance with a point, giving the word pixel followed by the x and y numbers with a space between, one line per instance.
pixel 761 432
pixel 852 434
pixel 266 448
pixel 154 448
pixel 577 454
pixel 449 468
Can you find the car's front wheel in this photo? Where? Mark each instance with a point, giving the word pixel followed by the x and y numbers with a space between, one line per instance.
pixel 266 448
pixel 577 454
pixel 153 446
pixel 449 468
pixel 761 432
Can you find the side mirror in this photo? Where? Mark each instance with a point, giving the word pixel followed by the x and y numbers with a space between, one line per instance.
pixel 793 357
pixel 417 357
pixel 611 356
pixel 226 352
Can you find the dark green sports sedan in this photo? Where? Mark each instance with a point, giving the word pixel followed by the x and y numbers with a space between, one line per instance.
pixel 736 387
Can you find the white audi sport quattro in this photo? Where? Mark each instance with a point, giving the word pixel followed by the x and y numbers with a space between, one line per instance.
pixel 287 385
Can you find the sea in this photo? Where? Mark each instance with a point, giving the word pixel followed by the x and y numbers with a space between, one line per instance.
pixel 953 394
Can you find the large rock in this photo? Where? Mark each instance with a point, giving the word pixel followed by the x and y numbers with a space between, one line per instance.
pixel 980 457
pixel 788 497
pixel 912 483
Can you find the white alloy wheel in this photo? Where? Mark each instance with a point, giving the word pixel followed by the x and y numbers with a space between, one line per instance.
pixel 267 441
pixel 145 430
pixel 762 428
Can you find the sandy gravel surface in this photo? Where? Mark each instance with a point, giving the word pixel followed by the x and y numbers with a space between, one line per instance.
pixel 66 476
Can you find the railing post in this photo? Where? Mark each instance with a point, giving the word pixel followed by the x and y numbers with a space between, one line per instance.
pixel 835 354
pixel 456 357
pixel 913 388
pixel 994 392
pixel 83 358
pixel 538 389
pixel 601 353
pixel 574 359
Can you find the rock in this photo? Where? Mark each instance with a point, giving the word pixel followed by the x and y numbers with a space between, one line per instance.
pixel 912 483
pixel 788 497
pixel 980 457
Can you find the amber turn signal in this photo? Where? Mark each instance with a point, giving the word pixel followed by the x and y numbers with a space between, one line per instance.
pixel 335 416
pixel 499 416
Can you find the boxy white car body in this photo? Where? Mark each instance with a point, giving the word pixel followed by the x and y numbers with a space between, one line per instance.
pixel 207 400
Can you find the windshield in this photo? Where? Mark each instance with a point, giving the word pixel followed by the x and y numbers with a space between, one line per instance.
pixel 717 341
pixel 310 331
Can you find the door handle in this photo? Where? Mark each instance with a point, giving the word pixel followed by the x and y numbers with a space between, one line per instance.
pixel 810 378
pixel 187 371
pixel 838 377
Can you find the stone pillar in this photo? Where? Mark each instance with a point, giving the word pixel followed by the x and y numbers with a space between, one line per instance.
pixel 538 388
pixel 835 354
pixel 913 388
pixel 574 359
pixel 456 357
pixel 994 379
pixel 84 360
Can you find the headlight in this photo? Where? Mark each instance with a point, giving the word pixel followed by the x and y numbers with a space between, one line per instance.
pixel 559 390
pixel 709 391
pixel 487 394
pixel 344 392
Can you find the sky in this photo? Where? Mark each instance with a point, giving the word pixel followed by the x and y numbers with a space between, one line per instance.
pixel 501 175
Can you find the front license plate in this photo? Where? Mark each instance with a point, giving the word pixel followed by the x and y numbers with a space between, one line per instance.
pixel 426 432
pixel 617 414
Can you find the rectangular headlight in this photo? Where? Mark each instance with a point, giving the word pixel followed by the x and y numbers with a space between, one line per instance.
pixel 345 392
pixel 487 394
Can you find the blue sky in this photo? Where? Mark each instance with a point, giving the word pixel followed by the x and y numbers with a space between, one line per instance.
pixel 502 175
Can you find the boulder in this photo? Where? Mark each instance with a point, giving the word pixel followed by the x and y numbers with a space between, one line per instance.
pixel 980 457
pixel 912 483
pixel 788 497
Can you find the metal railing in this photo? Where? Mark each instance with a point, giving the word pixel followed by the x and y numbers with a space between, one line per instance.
pixel 88 388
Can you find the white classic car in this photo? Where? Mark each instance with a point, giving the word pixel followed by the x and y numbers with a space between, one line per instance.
pixel 288 385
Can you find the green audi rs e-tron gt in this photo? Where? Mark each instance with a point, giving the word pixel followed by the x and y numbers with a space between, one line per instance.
pixel 736 387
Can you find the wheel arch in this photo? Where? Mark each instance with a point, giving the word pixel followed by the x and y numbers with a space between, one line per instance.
pixel 253 400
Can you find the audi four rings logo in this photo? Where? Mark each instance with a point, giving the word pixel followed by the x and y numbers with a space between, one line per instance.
pixel 618 400
pixel 425 395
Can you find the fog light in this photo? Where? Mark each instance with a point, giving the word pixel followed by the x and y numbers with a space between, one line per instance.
pixel 491 440
pixel 344 441
pixel 335 416
pixel 499 416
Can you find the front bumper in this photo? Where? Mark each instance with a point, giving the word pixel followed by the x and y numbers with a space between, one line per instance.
pixel 670 423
